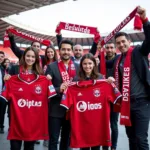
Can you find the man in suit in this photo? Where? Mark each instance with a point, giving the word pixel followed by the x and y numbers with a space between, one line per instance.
pixel 2 103
pixel 59 71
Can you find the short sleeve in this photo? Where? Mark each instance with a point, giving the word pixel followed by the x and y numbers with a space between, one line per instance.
pixel 113 93
pixel 67 99
pixel 6 91
pixel 51 90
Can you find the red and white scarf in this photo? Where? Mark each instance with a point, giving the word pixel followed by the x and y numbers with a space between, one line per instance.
pixel 67 74
pixel 25 36
pixel 76 28
pixel 110 36
pixel 126 86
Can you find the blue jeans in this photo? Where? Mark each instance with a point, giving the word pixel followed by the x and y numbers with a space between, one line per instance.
pixel 55 126
pixel 114 129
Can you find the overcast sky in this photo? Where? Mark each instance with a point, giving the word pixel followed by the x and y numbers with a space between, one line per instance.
pixel 104 14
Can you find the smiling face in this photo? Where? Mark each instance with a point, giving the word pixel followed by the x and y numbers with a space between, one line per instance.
pixel 30 58
pixel 50 53
pixel 110 50
pixel 37 46
pixel 88 66
pixel 65 51
pixel 123 44
pixel 78 51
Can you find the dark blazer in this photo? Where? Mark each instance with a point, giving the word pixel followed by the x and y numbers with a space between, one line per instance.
pixel 18 52
pixel 55 109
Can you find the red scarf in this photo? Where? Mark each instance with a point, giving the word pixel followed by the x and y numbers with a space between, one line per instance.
pixel 126 86
pixel 25 36
pixel 67 75
pixel 76 28
pixel 110 36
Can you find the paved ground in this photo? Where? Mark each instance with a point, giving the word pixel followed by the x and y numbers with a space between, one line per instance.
pixel 122 143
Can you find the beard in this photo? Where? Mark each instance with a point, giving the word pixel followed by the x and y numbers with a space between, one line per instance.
pixel 65 57
pixel 78 56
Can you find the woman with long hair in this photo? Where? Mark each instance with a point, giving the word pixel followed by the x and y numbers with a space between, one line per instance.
pixel 28 72
pixel 50 56
pixel 6 65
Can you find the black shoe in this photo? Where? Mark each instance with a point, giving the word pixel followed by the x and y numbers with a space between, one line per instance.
pixel 37 142
pixel 1 130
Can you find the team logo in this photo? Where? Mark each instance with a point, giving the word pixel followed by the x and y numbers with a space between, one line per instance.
pixel 79 94
pixel 72 67
pixel 96 92
pixel 20 89
pixel 38 89
pixel 81 106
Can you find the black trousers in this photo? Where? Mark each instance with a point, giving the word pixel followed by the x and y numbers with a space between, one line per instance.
pixel 3 105
pixel 138 132
pixel 91 148
pixel 16 145
pixel 114 129
pixel 55 126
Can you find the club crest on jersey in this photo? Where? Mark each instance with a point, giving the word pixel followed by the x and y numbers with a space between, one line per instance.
pixel 96 92
pixel 38 89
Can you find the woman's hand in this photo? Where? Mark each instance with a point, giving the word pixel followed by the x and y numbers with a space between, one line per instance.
pixel 49 77
pixel 110 80
pixel 7 77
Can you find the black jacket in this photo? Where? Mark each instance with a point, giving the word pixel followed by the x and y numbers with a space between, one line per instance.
pixel 55 109
pixel 139 59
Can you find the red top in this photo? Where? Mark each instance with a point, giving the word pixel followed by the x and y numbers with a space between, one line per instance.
pixel 28 96
pixel 89 105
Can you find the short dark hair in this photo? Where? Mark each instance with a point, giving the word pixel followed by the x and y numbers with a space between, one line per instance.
pixel 110 42
pixel 122 34
pixel 66 42
pixel 34 42
pixel 94 74
pixel 1 52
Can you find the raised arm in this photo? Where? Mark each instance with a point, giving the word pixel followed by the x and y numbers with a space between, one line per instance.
pixel 145 48
pixel 16 50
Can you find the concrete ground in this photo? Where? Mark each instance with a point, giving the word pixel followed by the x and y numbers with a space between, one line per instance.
pixel 122 142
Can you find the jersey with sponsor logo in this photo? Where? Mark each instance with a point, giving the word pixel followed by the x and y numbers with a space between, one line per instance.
pixel 89 104
pixel 28 96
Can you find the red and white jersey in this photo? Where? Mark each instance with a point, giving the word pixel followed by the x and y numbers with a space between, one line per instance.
pixel 89 104
pixel 28 96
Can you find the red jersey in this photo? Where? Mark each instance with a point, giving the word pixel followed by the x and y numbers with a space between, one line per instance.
pixel 28 106
pixel 89 105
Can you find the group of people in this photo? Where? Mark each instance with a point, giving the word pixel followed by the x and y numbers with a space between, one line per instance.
pixel 132 77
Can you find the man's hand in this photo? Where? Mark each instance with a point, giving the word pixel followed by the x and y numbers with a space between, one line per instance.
pixel 142 12
pixel 9 33
pixel 63 87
